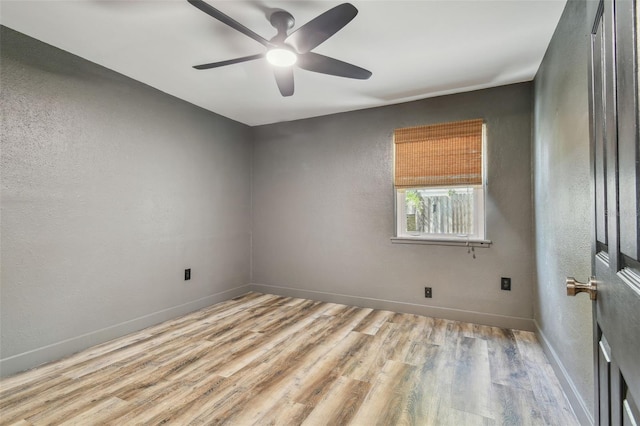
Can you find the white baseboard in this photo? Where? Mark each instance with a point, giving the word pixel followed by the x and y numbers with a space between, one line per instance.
pixel 58 350
pixel 575 399
pixel 409 308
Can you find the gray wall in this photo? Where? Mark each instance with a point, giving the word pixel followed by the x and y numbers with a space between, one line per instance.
pixel 563 211
pixel 110 189
pixel 323 213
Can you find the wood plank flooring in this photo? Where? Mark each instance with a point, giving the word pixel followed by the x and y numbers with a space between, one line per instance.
pixel 271 360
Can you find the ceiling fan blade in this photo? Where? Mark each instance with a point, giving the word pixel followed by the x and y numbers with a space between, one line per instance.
pixel 323 64
pixel 319 29
pixel 284 78
pixel 212 11
pixel 228 62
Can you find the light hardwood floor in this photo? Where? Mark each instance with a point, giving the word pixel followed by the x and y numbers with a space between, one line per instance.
pixel 271 360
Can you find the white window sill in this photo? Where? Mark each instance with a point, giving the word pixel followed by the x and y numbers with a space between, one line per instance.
pixel 462 242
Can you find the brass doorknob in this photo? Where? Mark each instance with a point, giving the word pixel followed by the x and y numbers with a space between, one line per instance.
pixel 574 287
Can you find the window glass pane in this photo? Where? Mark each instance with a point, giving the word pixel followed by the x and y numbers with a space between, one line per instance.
pixel 440 211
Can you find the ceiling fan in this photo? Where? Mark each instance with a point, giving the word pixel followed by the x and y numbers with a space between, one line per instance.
pixel 284 50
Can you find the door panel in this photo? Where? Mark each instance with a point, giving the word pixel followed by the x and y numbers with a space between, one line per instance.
pixel 628 160
pixel 604 380
pixel 630 414
pixel 616 173
pixel 598 129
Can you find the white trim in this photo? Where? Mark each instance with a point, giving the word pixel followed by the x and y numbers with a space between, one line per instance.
pixel 518 323
pixel 576 401
pixel 462 242
pixel 58 350
pixel 401 212
pixel 485 184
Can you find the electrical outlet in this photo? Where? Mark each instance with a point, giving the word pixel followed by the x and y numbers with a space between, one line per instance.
pixel 505 283
pixel 187 274
pixel 427 292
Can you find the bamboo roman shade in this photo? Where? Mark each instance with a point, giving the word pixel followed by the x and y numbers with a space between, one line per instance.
pixel 439 154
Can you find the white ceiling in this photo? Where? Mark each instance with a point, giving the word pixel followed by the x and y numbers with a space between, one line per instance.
pixel 415 49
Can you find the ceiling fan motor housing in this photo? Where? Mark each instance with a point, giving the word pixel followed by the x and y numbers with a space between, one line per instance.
pixel 282 21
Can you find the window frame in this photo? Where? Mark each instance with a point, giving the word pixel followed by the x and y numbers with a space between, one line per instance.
pixel 478 239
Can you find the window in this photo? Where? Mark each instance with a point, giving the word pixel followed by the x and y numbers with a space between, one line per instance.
pixel 439 183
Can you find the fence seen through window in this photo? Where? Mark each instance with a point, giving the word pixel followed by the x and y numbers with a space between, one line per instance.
pixel 439 211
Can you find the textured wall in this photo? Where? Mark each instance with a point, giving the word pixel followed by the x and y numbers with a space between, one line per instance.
pixel 110 189
pixel 323 212
pixel 563 211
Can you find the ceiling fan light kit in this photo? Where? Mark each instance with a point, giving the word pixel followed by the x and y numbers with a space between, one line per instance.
pixel 285 50
pixel 281 57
